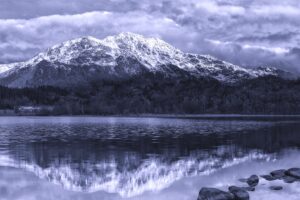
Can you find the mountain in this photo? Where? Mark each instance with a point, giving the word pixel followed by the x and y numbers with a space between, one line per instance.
pixel 82 60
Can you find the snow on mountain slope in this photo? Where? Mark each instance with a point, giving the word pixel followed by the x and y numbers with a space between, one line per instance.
pixel 149 52
pixel 123 55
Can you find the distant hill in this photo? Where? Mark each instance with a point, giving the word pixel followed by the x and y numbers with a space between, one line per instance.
pixel 80 61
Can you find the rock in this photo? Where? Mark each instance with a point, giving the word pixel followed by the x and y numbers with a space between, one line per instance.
pixel 276 187
pixel 268 177
pixel 289 179
pixel 239 193
pixel 294 172
pixel 278 174
pixel 253 180
pixel 214 194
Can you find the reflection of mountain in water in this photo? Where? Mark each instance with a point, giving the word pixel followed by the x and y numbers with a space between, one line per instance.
pixel 129 156
pixel 130 176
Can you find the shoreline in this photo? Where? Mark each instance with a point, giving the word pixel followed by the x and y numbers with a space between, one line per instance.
pixel 212 116
pixel 286 176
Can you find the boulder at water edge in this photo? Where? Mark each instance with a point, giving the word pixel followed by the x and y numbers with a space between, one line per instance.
pixel 278 174
pixel 239 193
pixel 253 180
pixel 294 172
pixel 214 194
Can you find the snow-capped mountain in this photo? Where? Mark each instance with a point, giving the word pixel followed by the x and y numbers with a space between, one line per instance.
pixel 84 59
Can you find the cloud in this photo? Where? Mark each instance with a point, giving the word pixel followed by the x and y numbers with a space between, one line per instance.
pixel 276 10
pixel 275 50
pixel 214 8
pixel 35 35
pixel 245 32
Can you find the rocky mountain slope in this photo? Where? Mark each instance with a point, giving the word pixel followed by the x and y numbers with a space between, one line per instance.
pixel 82 60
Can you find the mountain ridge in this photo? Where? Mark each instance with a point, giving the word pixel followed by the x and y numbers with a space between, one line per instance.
pixel 125 55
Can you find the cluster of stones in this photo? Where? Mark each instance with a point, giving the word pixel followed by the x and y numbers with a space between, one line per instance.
pixel 241 193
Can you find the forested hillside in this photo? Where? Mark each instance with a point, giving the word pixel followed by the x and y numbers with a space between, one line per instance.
pixel 160 95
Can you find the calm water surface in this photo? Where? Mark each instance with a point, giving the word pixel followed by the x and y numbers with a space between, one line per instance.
pixel 141 158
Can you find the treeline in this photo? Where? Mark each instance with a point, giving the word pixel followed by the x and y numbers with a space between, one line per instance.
pixel 162 95
pixel 10 98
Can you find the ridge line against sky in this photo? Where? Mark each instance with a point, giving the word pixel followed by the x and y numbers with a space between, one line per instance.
pixel 244 32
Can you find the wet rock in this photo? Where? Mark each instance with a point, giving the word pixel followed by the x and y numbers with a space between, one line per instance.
pixel 289 179
pixel 276 187
pixel 253 180
pixel 294 172
pixel 278 174
pixel 239 193
pixel 268 177
pixel 214 194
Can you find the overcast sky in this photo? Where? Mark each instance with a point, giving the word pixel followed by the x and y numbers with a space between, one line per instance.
pixel 244 32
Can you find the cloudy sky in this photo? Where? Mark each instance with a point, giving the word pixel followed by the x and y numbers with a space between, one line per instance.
pixel 245 32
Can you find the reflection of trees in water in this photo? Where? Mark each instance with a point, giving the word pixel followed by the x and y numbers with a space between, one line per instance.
pixel 132 152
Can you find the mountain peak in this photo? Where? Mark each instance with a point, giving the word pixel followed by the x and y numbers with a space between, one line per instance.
pixel 132 41
pixel 87 39
pixel 129 35
pixel 84 42
pixel 150 52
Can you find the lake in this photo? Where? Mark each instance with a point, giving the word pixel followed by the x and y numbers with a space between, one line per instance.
pixel 143 158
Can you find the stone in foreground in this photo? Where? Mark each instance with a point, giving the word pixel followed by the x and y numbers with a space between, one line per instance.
pixel 239 193
pixel 214 194
pixel 276 188
pixel 289 179
pixel 268 177
pixel 278 174
pixel 294 172
pixel 253 180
